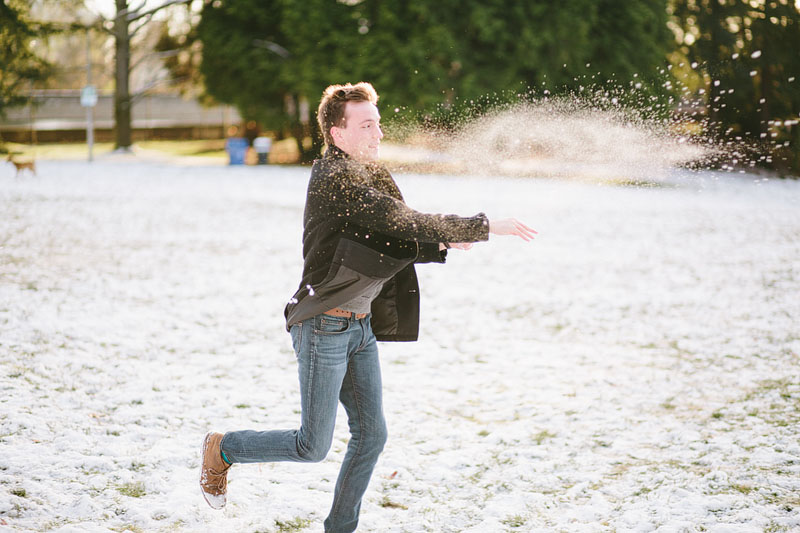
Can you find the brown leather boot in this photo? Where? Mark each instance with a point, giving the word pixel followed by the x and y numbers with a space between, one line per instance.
pixel 213 472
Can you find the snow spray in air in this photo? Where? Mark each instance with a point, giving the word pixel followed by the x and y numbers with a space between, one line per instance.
pixel 558 137
pixel 617 134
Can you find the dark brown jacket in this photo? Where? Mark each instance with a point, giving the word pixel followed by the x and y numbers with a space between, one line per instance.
pixel 358 233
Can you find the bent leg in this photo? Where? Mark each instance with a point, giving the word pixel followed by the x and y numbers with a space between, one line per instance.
pixel 322 364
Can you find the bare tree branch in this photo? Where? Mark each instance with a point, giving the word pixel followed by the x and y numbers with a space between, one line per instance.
pixel 128 11
pixel 134 15
pixel 154 83
pixel 275 48
pixel 159 55
pixel 141 25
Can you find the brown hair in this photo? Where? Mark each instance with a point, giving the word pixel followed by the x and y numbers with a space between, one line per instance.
pixel 334 100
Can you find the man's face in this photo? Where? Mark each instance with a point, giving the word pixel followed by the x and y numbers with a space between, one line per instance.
pixel 361 133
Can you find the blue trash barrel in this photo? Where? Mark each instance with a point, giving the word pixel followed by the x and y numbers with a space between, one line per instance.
pixel 236 148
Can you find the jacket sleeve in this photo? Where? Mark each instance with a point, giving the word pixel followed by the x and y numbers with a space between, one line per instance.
pixel 370 208
pixel 429 253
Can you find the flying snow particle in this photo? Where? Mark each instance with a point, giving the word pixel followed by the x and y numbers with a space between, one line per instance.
pixel 753 73
pixel 756 54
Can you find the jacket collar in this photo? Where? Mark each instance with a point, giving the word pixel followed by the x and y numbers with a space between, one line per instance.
pixel 334 152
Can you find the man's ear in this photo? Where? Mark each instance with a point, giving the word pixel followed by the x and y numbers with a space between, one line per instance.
pixel 336 133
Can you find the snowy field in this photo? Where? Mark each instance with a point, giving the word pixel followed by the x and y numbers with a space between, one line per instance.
pixel 636 368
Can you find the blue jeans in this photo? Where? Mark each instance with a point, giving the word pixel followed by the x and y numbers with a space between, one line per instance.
pixel 337 362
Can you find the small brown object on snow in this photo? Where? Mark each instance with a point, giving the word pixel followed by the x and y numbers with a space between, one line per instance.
pixel 22 165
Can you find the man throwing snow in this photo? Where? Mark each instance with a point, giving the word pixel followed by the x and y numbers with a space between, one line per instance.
pixel 360 243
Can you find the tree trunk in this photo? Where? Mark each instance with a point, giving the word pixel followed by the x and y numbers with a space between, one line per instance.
pixel 122 97
pixel 762 41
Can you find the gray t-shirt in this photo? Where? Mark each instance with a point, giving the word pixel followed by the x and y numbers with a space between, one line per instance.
pixel 362 303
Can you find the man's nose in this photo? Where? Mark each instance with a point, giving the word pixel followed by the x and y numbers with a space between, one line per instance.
pixel 380 132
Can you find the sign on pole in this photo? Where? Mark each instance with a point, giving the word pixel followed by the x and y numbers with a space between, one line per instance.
pixel 89 96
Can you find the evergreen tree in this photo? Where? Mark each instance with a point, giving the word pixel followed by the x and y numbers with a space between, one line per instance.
pixel 266 56
pixel 748 56
pixel 20 67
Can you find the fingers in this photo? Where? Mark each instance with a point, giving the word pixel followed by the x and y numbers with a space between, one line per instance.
pixel 512 226
pixel 521 230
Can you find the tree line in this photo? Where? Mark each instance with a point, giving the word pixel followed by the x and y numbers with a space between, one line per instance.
pixel 733 63
pixel 267 57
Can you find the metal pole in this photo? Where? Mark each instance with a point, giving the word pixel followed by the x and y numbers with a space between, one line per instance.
pixel 89 109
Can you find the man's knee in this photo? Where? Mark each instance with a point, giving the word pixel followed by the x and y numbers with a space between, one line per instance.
pixel 375 439
pixel 313 450
pixel 384 435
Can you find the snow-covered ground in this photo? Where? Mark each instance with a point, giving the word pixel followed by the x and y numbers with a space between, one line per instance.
pixel 633 369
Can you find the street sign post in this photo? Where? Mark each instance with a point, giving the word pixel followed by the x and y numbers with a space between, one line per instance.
pixel 89 96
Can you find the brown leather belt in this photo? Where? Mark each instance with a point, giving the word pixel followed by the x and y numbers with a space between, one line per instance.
pixel 341 312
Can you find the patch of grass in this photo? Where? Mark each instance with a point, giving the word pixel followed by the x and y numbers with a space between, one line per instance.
pixel 128 527
pixel 542 436
pixel 58 150
pixel 514 521
pixel 132 489
pixel 242 406
pixel 389 504
pixel 297 524
pixel 54 524
pixel 22 493
pixel 744 489
pixel 211 147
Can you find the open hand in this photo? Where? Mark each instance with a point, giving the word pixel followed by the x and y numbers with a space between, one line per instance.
pixel 461 245
pixel 512 226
